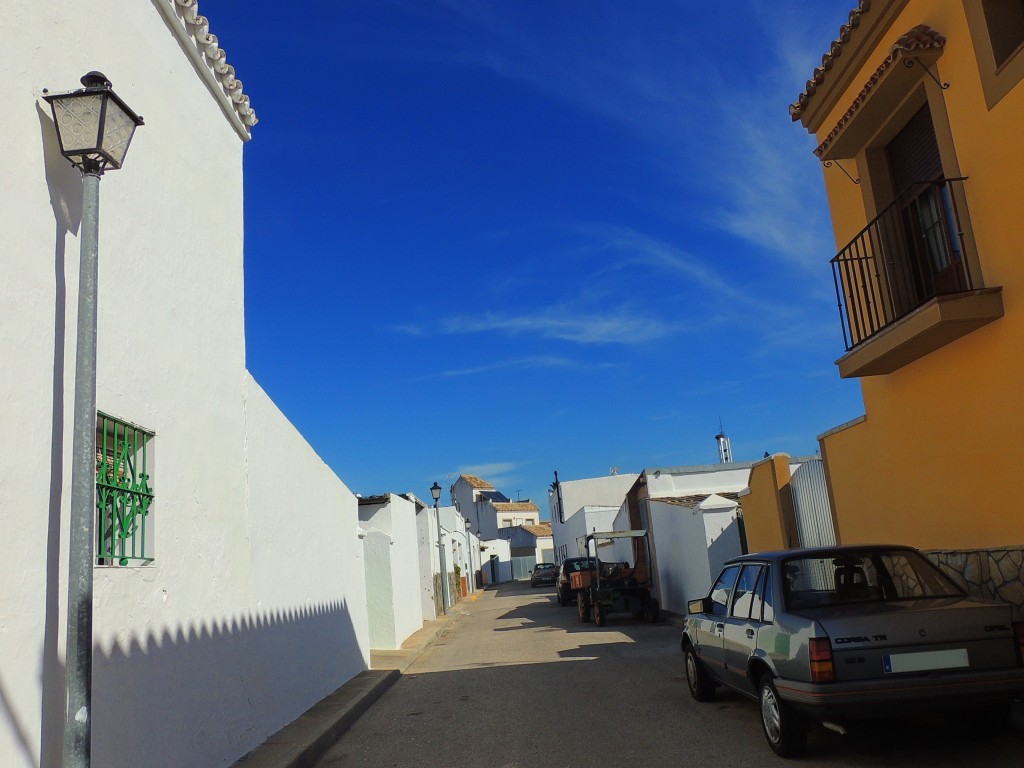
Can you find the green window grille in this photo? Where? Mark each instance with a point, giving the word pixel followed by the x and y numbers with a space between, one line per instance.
pixel 124 496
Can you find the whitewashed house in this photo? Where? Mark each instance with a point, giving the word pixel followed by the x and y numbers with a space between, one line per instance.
pixel 528 545
pixel 487 511
pixel 391 560
pixel 578 507
pixel 694 521
pixel 246 605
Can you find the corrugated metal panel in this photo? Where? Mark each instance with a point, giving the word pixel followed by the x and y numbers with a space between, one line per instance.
pixel 810 505
pixel 522 567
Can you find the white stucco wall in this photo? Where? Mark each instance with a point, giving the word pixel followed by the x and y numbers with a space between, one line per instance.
pixel 607 491
pixel 395 612
pixel 257 561
pixel 710 478
pixel 500 551
pixel 426 539
pixel 380 598
pixel 682 554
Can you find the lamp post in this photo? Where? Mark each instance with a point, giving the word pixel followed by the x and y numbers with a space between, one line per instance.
pixel 435 491
pixel 94 128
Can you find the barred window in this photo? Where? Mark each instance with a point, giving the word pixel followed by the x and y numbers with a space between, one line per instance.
pixel 124 493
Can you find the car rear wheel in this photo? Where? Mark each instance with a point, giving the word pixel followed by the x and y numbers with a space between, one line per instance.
pixel 701 687
pixel 582 608
pixel 785 730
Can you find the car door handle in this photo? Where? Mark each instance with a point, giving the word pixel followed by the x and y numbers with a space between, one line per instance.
pixel 750 634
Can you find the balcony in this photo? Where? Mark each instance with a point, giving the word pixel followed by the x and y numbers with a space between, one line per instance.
pixel 905 284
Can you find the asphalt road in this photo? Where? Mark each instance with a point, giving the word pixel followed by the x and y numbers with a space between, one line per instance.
pixel 517 681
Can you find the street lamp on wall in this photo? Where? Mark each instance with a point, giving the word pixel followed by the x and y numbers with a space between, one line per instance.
pixel 435 492
pixel 94 128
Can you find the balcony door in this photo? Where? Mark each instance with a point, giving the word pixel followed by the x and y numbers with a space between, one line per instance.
pixel 932 262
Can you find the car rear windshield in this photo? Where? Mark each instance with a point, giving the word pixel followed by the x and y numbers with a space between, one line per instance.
pixel 582 565
pixel 871 575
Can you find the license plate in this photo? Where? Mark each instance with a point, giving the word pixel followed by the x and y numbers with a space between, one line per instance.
pixel 926 660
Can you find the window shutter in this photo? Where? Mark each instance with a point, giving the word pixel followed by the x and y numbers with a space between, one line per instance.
pixel 914 153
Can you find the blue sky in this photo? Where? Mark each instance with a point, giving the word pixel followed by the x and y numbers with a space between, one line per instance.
pixel 511 237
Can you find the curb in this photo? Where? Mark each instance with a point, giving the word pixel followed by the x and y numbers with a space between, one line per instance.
pixel 302 743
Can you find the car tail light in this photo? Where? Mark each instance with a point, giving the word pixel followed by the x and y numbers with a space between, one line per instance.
pixel 1018 633
pixel 822 668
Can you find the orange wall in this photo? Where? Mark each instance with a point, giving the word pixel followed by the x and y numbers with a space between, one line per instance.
pixel 938 459
pixel 763 513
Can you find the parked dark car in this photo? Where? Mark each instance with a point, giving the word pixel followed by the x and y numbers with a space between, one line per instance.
pixel 566 594
pixel 843 633
pixel 543 573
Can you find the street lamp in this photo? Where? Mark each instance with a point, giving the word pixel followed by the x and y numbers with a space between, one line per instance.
pixel 94 128
pixel 435 491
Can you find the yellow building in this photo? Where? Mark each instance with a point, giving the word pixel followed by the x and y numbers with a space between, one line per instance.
pixel 918 109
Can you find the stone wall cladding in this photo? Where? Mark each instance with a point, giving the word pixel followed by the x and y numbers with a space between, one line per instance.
pixel 990 574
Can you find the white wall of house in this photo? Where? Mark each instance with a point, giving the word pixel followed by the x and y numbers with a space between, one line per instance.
pixel 426 540
pixel 202 640
pixel 690 543
pixel 397 611
pixel 707 478
pixel 574 530
pixel 496 561
pixel 512 519
pixel 683 569
pixel 451 539
pixel 545 549
pixel 607 491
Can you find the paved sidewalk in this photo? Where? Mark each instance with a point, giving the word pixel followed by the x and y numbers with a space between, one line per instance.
pixel 302 743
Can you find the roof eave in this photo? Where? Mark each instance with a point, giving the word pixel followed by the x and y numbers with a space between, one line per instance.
pixel 862 33
pixel 210 62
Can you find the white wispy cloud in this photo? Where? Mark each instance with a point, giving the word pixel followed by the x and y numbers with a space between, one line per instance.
pixel 619 326
pixel 727 138
pixel 527 363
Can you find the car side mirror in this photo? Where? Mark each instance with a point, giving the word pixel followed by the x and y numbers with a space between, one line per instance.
pixel 699 606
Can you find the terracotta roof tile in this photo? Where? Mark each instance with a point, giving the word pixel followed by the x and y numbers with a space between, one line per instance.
pixel 919 38
pixel 515 506
pixel 827 61
pixel 541 529
pixel 476 482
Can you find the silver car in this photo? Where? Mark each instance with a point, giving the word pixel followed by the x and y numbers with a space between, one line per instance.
pixel 842 633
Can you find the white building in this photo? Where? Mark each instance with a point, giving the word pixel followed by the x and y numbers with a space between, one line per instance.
pixel 251 557
pixel 695 524
pixel 511 513
pixel 571 497
pixel 391 560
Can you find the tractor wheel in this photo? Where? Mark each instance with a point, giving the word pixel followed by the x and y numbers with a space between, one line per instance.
pixel 600 614
pixel 652 611
pixel 583 607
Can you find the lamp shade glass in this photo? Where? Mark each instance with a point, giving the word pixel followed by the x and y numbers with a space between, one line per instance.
pixel 435 491
pixel 94 127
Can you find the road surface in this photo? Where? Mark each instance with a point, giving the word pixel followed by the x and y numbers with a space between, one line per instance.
pixel 518 682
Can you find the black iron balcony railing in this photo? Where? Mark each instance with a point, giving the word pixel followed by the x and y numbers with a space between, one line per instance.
pixel 910 253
